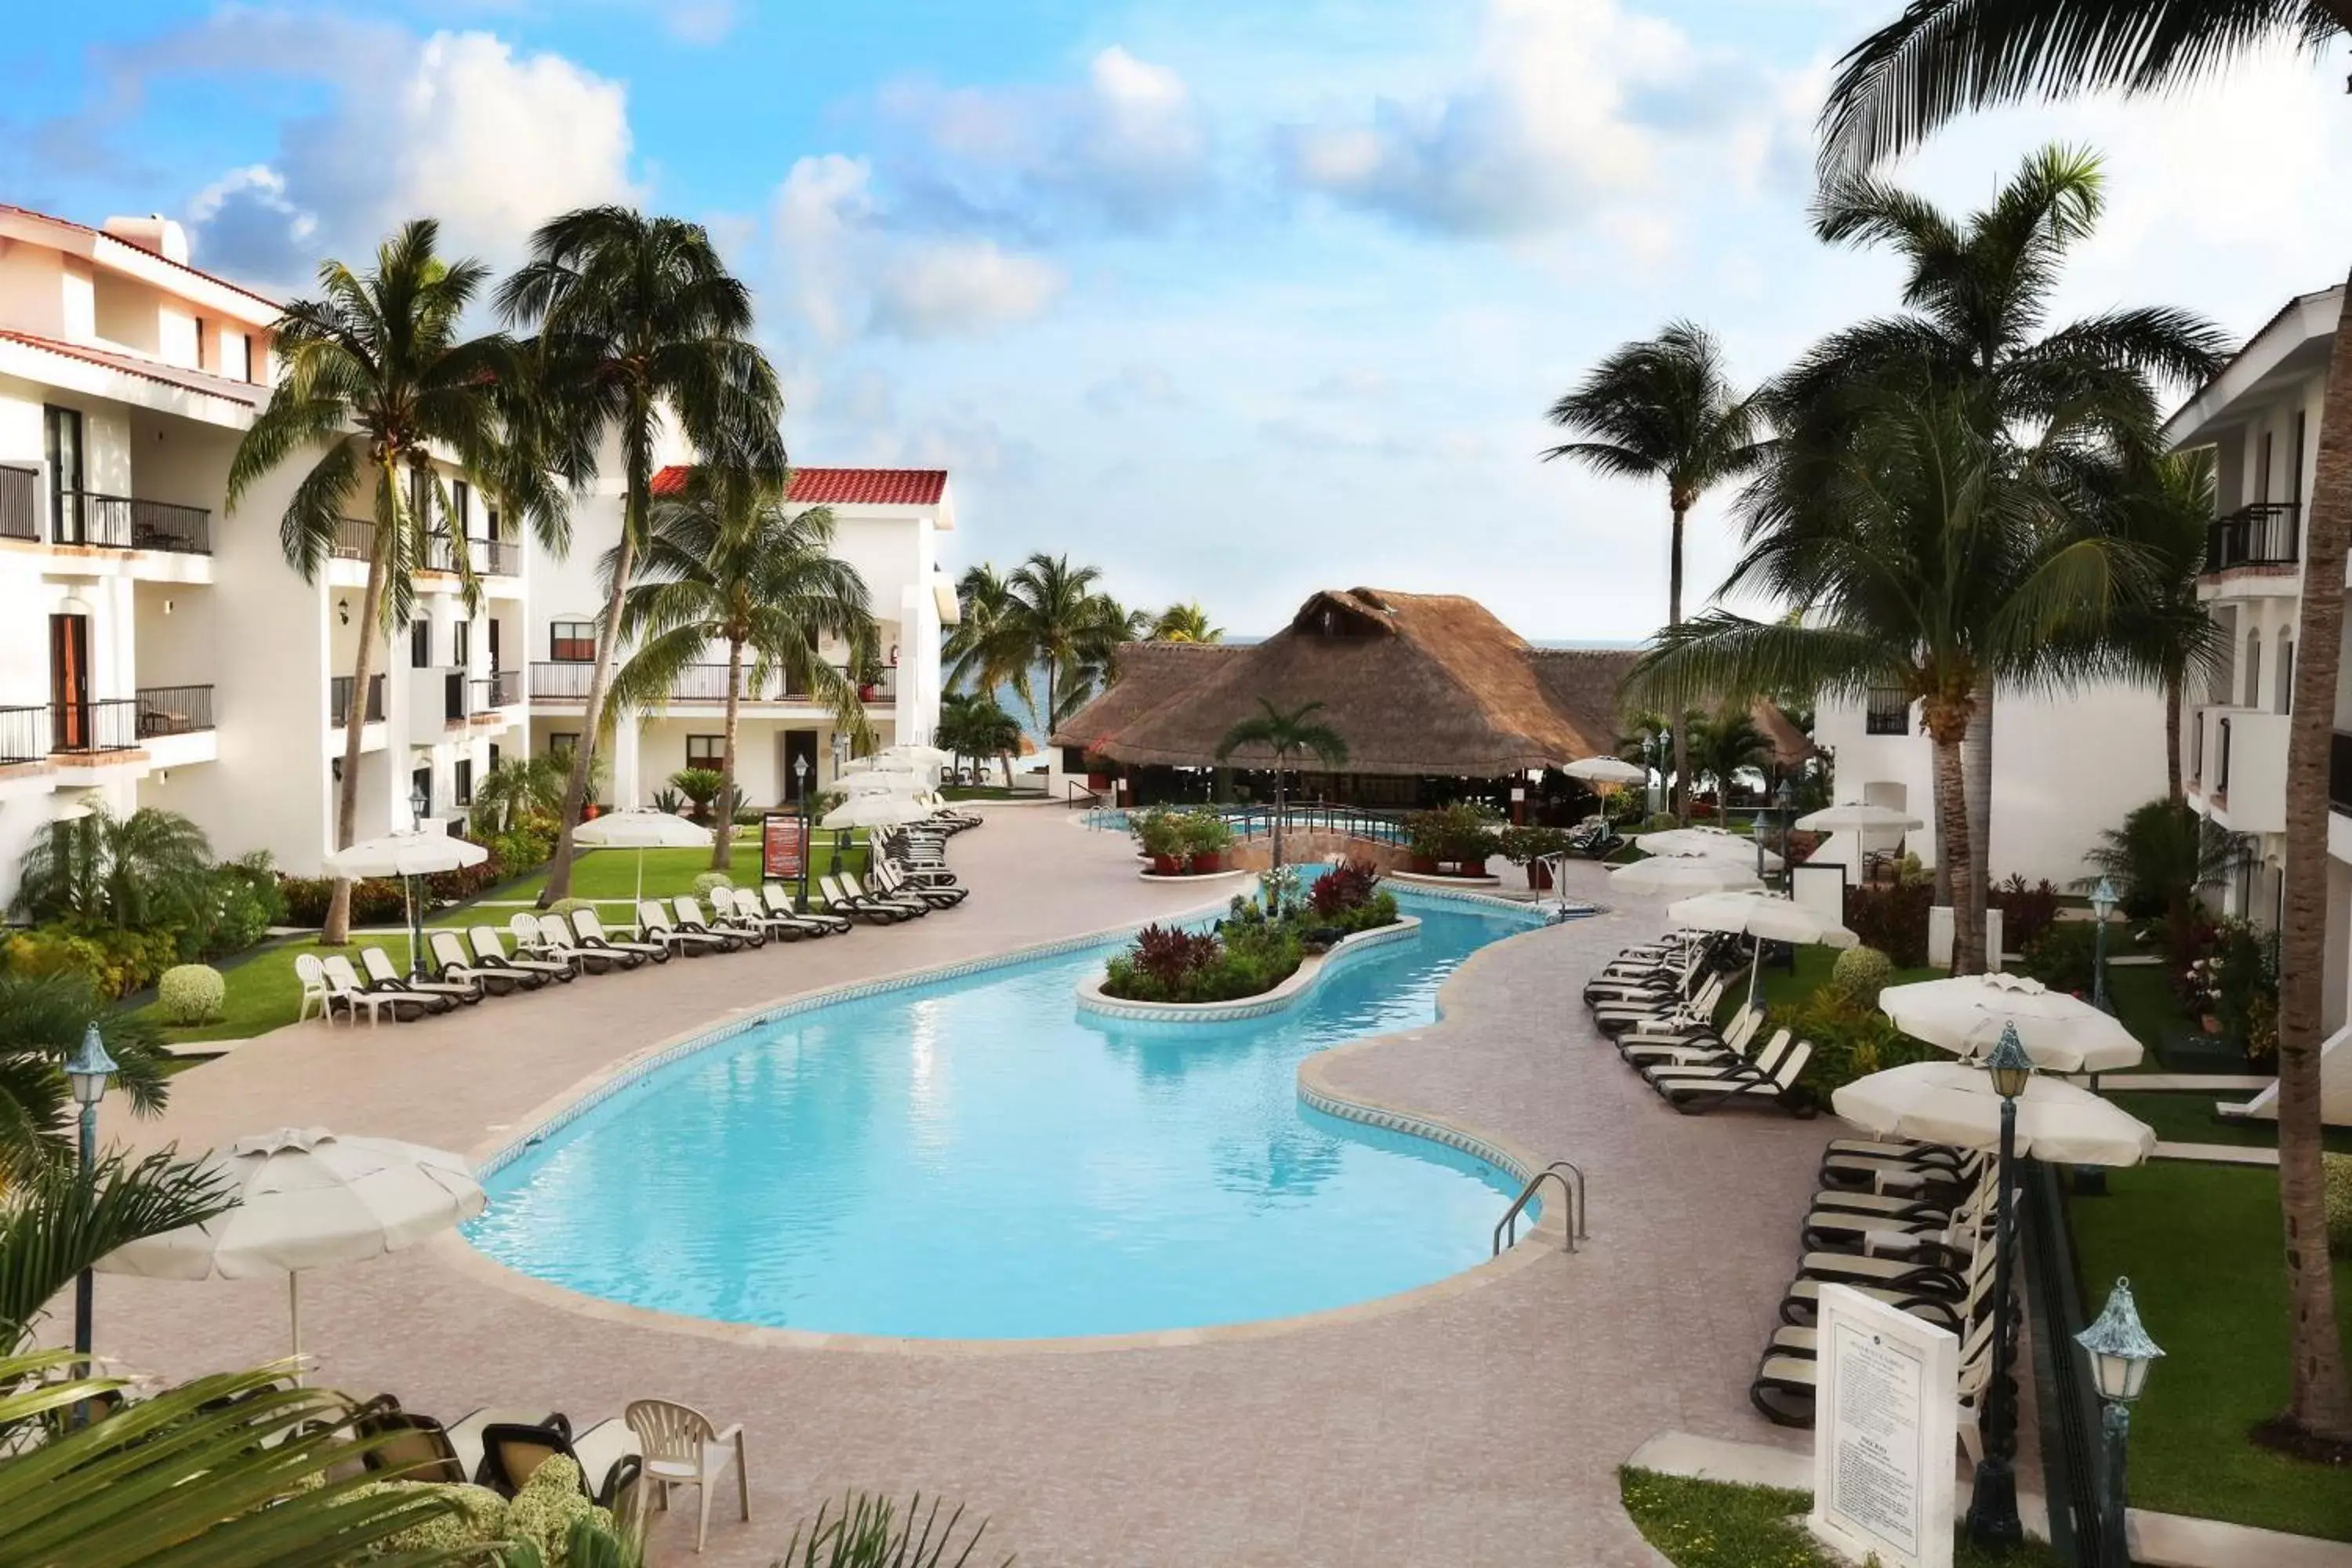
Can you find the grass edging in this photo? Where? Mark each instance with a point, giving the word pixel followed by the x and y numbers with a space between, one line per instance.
pixel 1698 1523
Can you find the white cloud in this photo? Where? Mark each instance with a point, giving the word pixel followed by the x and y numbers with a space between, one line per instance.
pixel 1132 387
pixel 459 126
pixel 932 290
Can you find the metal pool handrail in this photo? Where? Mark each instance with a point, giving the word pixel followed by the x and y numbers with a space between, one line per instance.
pixel 1507 1230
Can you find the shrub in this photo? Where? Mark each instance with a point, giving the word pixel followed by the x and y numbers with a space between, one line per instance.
pixel 2062 956
pixel 1912 872
pixel 2025 911
pixel 1862 973
pixel 1345 887
pixel 706 880
pixel 2338 1169
pixel 1660 821
pixel 1201 833
pixel 1850 1039
pixel 1892 920
pixel 1248 956
pixel 191 993
pixel 1521 845
pixel 375 902
pixel 1380 910
pixel 114 961
pixel 1170 955
pixel 548 1508
pixel 1159 832
pixel 1464 832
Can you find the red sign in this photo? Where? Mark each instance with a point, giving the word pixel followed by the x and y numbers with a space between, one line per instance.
pixel 783 845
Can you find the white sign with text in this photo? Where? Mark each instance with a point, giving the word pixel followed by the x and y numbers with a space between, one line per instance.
pixel 1886 1420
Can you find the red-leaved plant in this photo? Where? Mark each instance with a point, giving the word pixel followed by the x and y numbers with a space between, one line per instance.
pixel 1170 955
pixel 1347 886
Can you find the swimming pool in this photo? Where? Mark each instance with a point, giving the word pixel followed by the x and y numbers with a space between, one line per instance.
pixel 973 1159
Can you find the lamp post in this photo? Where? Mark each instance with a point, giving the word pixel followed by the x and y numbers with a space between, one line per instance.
pixel 88 1072
pixel 2103 904
pixel 1993 1508
pixel 2121 1356
pixel 808 839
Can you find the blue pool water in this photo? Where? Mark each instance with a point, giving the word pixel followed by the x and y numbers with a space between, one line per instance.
pixel 974 1158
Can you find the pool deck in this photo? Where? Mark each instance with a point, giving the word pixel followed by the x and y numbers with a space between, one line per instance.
pixel 1479 1421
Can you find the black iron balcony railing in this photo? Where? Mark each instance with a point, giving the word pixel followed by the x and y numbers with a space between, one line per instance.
pixel 561 681
pixel 2268 533
pixel 354 539
pixel 174 709
pixel 2339 772
pixel 505 687
pixel 338 700
pixel 125 522
pixel 487 557
pixel 2221 759
pixel 27 734
pixel 1887 712
pixel 881 687
pixel 20 502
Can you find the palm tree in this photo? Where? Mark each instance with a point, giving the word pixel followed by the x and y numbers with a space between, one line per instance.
pixel 1936 560
pixel 1286 735
pixel 1062 626
pixel 971 724
pixel 728 563
pixel 128 871
pixel 638 321
pixel 59 1220
pixel 518 788
pixel 1976 292
pixel 981 651
pixel 372 376
pixel 1942 57
pixel 1664 409
pixel 1721 745
pixel 1185 623
pixel 42 1020
pixel 2163 633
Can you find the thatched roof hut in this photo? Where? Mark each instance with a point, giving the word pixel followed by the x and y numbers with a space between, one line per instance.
pixel 1420 685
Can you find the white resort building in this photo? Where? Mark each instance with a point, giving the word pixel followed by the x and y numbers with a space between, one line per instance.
pixel 2260 417
pixel 886 524
pixel 155 651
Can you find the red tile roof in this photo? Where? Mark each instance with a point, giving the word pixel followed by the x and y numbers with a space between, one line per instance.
pixel 841 486
pixel 244 392
pixel 195 271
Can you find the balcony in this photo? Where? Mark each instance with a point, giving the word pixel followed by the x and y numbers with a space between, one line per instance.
pixel 32 734
pixel 173 711
pixel 561 681
pixel 564 681
pixel 2269 533
pixel 339 701
pixel 505 689
pixel 124 522
pixel 487 557
pixel 354 539
pixel 20 502
pixel 1887 712
pixel 2238 768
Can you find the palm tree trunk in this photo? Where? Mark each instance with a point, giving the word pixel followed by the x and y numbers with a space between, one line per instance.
pixel 1948 727
pixel 2172 698
pixel 1278 814
pixel 337 929
pixel 2321 1403
pixel 1975 784
pixel 1681 802
pixel 722 839
pixel 600 684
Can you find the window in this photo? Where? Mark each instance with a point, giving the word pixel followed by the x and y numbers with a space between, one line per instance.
pixel 706 752
pixel 2253 698
pixel 240 356
pixel 1888 712
pixel 2282 697
pixel 202 328
pixel 420 793
pixel 461 783
pixel 572 642
pixel 62 433
pixel 494 756
pixel 2262 453
pixel 420 645
pixel 490 521
pixel 461 647
pixel 562 743
pixel 460 494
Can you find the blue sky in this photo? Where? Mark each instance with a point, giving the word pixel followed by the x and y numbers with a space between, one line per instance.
pixel 1236 301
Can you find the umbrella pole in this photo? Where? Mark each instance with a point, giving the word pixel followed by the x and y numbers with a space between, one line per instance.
pixel 641 885
pixel 294 1311
pixel 416 928
pixel 1755 971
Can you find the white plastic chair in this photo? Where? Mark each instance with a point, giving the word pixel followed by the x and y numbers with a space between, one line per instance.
pixel 683 1448
pixel 314 977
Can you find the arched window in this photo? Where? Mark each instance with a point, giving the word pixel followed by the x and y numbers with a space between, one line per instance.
pixel 2282 697
pixel 2252 698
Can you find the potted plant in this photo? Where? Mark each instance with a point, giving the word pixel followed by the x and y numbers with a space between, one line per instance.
pixel 1528 846
pixel 1460 836
pixel 1207 838
pixel 1161 834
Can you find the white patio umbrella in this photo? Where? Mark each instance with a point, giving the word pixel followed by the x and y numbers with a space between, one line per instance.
pixel 880 808
pixel 1711 841
pixel 1684 875
pixel 880 781
pixel 406 856
pixel 1762 917
pixel 1859 816
pixel 1965 1015
pixel 914 755
pixel 1607 771
pixel 1954 1103
pixel 641 831
pixel 307 1198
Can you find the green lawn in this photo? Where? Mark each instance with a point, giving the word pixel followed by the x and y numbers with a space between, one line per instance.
pixel 1715 1524
pixel 2201 1244
pixel 2187 1116
pixel 610 876
pixel 264 995
pixel 1785 988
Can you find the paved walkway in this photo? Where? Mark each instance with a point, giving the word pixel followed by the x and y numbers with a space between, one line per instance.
pixel 1478 1423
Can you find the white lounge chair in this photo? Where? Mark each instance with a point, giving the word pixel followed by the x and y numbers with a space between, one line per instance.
pixel 590 932
pixel 741 907
pixel 383 976
pixel 683 1447
pixel 313 974
pixel 857 884
pixel 691 918
pixel 657 924
pixel 344 988
pixel 449 955
pixel 781 902
pixel 840 900
pixel 557 940
pixel 490 950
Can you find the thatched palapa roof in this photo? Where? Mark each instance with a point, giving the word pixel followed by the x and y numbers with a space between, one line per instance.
pixel 1420 685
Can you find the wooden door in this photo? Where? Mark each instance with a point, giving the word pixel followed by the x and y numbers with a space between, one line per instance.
pixel 70 682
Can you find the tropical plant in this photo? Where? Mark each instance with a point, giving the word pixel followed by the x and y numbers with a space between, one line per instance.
pixel 2158 858
pixel 58 1220
pixel 1722 743
pixel 189 994
pixel 640 328
pixel 1936 560
pixel 233 1468
pixel 1664 409
pixel 871 1532
pixel 972 725
pixel 43 1018
pixel 1862 973
pixel 1463 832
pixel 1977 293
pixel 1185 623
pixel 1940 59
pixel 729 564
pixel 700 786
pixel 1067 631
pixel 374 377
pixel 516 789
pixel 1296 733
pixel 130 872
pixel 2164 507
pixel 983 651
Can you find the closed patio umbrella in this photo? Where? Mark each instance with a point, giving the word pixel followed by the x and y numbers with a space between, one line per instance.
pixel 1954 1103
pixel 641 831
pixel 407 855
pixel 307 1198
pixel 1711 841
pixel 1684 875
pixel 1965 1015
